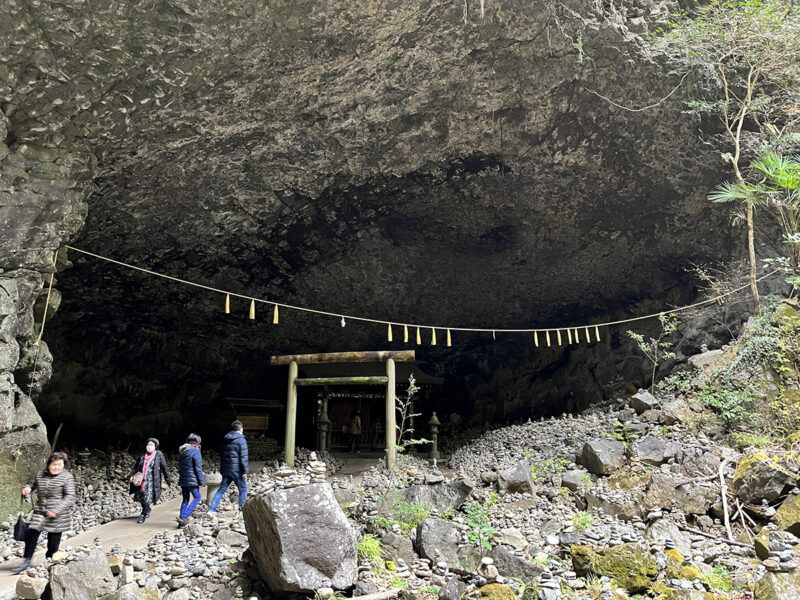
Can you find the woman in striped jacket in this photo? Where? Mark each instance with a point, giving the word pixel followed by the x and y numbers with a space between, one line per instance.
pixel 55 496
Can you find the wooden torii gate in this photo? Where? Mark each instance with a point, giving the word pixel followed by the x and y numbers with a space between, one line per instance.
pixel 387 356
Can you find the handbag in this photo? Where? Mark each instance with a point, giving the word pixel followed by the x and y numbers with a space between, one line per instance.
pixel 137 479
pixel 21 528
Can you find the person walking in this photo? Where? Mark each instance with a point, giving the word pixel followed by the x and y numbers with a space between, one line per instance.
pixel 55 497
pixel 233 466
pixel 355 432
pixel 190 477
pixel 146 475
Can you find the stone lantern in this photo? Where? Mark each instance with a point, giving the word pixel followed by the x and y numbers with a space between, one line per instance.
pixel 433 424
pixel 323 425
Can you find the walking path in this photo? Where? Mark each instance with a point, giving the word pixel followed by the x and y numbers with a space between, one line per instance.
pixel 129 535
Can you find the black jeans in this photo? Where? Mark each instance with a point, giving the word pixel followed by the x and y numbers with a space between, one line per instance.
pixel 53 542
pixel 145 508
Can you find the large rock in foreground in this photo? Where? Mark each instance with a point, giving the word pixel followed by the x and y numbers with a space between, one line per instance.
pixel 301 539
pixel 83 579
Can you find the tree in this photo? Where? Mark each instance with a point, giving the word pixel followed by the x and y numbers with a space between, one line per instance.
pixel 754 46
pixel 657 349
pixel 778 189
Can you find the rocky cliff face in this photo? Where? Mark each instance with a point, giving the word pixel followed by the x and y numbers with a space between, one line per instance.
pixel 42 204
pixel 412 161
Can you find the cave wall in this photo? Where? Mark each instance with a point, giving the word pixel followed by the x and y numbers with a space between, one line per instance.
pixel 42 203
pixel 404 160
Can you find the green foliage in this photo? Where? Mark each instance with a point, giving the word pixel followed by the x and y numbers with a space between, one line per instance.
pixel 404 514
pixel 586 483
pixel 755 49
pixel 624 432
pixel 405 433
pixel 582 521
pixel 674 384
pixel 733 406
pixel 543 471
pixel 433 590
pixel 477 517
pixel 398 582
pixel 742 441
pixel 657 349
pixel 369 548
pixel 719 579
pixel 494 498
pixel 777 188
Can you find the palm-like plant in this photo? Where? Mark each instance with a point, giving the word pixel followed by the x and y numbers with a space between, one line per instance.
pixel 778 190
pixel 781 191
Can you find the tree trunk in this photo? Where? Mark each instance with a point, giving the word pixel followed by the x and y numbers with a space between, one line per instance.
pixel 751 248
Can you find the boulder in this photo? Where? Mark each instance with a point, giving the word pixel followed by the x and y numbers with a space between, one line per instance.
pixel 227 537
pixel 495 591
pixel 762 544
pixel 643 400
pixel 30 588
pixel 444 496
pixel 779 586
pixel 513 537
pixel 396 546
pixel 705 359
pixel 510 565
pixel 452 590
pixel 675 411
pixel 516 479
pixel 664 492
pixel 437 534
pixel 577 479
pixel 86 578
pixel 788 515
pixel 631 566
pixel 623 507
pixel 655 450
pixel 760 476
pixel 663 529
pixel 603 456
pixel 301 539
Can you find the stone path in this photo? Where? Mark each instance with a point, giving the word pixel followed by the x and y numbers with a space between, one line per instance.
pixel 125 533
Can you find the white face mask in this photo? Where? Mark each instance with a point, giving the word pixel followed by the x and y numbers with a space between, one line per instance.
pixel 151 448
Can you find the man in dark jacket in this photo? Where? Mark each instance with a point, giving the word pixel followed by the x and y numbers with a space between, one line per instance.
pixel 233 466
pixel 191 479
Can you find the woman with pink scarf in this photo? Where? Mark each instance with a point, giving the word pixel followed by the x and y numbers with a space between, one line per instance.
pixel 146 477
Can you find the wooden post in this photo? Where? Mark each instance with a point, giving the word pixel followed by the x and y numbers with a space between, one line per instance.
pixel 291 415
pixel 391 434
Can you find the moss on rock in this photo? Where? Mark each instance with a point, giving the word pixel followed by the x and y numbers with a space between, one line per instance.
pixel 630 566
pixel 496 591
pixel 788 515
pixel 760 475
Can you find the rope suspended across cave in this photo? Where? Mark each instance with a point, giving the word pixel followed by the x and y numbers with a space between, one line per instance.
pixel 571 332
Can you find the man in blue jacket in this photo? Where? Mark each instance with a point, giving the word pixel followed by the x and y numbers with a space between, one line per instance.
pixel 191 479
pixel 233 466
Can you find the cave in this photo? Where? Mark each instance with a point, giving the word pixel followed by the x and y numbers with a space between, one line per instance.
pixel 420 164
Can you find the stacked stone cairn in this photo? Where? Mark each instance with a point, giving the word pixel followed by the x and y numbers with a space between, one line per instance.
pixel 316 469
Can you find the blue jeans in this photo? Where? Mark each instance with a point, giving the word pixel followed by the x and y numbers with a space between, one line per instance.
pixel 187 508
pixel 227 480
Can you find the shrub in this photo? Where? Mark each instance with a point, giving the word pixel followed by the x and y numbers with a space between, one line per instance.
pixel 582 521
pixel 733 406
pixel 369 548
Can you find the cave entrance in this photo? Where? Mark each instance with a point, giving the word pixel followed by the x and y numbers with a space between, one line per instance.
pixel 332 412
